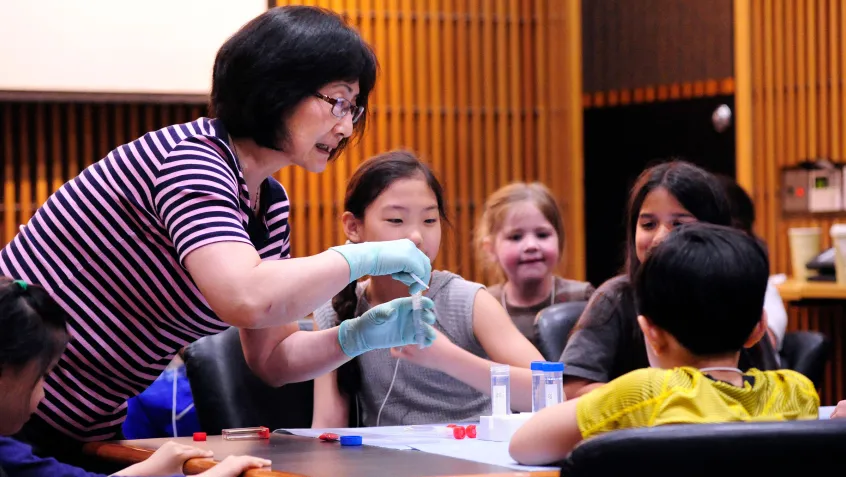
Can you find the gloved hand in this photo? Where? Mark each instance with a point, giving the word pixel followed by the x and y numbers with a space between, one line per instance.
pixel 398 258
pixel 386 326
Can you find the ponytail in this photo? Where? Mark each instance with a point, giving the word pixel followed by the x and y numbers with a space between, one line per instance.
pixel 349 374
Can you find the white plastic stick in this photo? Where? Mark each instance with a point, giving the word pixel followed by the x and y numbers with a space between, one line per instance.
pixel 418 280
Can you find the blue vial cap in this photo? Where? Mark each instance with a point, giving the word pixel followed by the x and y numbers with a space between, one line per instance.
pixel 553 366
pixel 350 440
pixel 537 365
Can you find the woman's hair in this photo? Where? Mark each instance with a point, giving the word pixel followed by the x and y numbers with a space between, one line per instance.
pixel 696 189
pixel 33 327
pixel 277 60
pixel 368 182
pixel 742 207
pixel 501 203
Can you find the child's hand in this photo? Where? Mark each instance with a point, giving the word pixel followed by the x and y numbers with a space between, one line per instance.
pixel 839 411
pixel 233 466
pixel 437 356
pixel 167 460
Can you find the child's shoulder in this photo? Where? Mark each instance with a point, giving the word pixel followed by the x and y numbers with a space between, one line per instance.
pixel 641 383
pixel 615 285
pixel 784 377
pixel 447 282
pixel 572 290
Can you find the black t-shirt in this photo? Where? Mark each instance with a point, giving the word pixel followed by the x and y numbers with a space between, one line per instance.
pixel 608 343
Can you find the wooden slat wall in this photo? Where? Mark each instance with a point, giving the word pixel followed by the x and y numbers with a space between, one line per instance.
pixel 664 92
pixel 632 44
pixel 43 144
pixel 789 75
pixel 488 91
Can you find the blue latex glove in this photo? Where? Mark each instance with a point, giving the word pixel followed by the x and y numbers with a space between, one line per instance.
pixel 386 326
pixel 398 258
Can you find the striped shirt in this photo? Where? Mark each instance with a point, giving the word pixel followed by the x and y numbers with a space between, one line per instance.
pixel 109 246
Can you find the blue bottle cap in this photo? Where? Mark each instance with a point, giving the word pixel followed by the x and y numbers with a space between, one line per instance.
pixel 350 440
pixel 553 366
pixel 537 365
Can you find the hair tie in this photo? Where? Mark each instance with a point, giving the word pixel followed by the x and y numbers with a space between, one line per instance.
pixel 21 284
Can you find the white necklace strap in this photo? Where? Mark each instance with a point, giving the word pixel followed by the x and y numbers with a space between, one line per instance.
pixel 721 368
pixel 551 296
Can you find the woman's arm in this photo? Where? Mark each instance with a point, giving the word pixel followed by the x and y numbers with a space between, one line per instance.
pixel 246 292
pixel 548 436
pixel 284 354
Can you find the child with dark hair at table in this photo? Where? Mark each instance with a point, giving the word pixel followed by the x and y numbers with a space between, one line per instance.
pixel 34 335
pixel 699 296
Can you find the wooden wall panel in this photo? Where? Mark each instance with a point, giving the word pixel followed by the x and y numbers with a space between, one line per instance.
pixel 790 108
pixel 43 144
pixel 487 91
pixel 633 44
pixel 795 72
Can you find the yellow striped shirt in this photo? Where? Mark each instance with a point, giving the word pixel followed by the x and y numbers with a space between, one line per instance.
pixel 655 397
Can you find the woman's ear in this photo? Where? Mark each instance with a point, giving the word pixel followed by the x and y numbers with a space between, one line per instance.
pixel 352 227
pixel 758 332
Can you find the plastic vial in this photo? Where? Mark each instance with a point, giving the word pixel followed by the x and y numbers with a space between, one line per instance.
pixel 500 389
pixel 538 390
pixel 246 433
pixel 553 377
pixel 417 311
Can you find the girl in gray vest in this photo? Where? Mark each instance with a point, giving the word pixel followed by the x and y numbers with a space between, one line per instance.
pixel 392 196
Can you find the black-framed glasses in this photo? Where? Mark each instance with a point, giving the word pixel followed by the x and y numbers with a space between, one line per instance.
pixel 341 107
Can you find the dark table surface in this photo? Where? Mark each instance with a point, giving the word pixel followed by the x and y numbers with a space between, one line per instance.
pixel 314 458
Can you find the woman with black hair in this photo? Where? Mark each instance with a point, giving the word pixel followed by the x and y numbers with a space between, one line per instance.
pixel 182 233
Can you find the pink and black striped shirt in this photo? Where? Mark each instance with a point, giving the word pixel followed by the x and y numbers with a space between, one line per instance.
pixel 109 247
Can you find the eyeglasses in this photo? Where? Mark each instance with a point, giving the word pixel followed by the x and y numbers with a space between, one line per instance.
pixel 341 107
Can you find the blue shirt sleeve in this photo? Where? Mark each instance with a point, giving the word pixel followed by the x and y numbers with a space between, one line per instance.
pixel 17 460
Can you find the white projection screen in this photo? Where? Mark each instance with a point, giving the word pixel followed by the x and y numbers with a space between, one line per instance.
pixel 158 47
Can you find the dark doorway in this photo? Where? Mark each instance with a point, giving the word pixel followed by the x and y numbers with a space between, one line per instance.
pixel 622 141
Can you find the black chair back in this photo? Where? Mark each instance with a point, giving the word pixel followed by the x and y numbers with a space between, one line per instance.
pixel 227 394
pixel 806 352
pixel 737 448
pixel 554 325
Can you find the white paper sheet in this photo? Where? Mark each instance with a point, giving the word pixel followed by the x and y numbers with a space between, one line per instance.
pixel 486 452
pixel 387 437
pixel 825 411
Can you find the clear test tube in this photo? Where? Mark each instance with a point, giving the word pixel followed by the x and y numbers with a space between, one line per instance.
pixel 417 314
pixel 246 433
pixel 538 386
pixel 553 383
pixel 500 389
